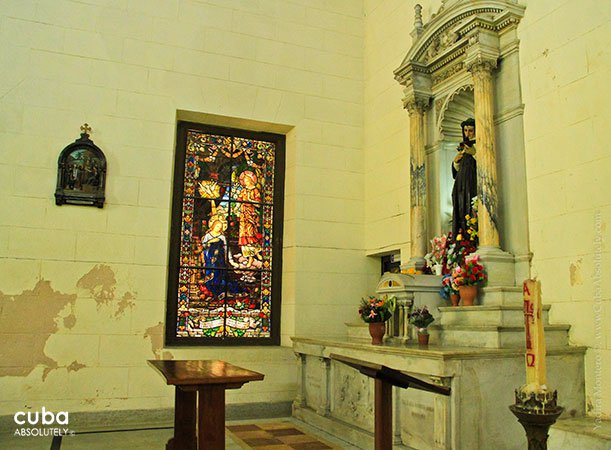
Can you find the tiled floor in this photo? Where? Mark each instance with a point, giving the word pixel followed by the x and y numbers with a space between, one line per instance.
pixel 272 434
pixel 276 436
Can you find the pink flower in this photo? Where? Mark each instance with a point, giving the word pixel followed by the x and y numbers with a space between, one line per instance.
pixel 471 258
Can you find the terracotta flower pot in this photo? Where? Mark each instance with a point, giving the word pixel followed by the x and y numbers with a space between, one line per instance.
pixel 423 336
pixel 454 298
pixel 376 331
pixel 467 294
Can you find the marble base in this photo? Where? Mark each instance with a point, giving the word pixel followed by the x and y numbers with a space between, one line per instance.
pixel 580 433
pixel 500 266
pixel 338 399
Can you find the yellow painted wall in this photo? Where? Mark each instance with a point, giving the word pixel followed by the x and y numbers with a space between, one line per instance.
pixel 565 68
pixel 388 24
pixel 83 289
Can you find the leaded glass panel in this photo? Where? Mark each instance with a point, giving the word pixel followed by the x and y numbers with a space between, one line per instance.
pixel 224 283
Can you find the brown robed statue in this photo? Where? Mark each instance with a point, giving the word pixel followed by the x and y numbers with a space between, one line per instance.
pixel 464 172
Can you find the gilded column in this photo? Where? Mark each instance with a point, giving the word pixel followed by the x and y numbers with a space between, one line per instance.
pixel 416 106
pixel 481 70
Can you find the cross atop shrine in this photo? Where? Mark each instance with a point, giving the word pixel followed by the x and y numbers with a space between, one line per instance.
pixel 85 128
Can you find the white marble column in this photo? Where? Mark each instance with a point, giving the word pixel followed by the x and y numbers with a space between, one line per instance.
pixel 481 70
pixel 416 107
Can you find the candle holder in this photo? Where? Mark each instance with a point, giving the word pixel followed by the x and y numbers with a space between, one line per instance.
pixel 536 411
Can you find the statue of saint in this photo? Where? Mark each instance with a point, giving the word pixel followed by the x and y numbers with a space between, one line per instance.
pixel 464 172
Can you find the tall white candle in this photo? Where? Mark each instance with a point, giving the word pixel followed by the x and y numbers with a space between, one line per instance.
pixel 535 338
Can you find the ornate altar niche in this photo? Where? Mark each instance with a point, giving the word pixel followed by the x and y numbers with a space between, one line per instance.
pixel 463 63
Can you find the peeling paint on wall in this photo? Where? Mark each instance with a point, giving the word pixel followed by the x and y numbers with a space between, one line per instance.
pixel 124 303
pixel 75 366
pixel 575 273
pixel 101 283
pixel 155 333
pixel 70 321
pixel 27 320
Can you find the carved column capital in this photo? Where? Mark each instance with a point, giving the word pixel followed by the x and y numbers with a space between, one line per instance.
pixel 416 104
pixel 481 64
pixel 482 51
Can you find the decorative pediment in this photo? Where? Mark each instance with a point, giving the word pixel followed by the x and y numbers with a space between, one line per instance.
pixel 440 46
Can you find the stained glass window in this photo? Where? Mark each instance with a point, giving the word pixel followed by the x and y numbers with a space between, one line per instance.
pixel 226 246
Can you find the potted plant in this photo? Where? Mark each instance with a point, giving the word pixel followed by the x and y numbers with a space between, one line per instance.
pixel 421 318
pixel 449 290
pixel 376 311
pixel 437 256
pixel 467 277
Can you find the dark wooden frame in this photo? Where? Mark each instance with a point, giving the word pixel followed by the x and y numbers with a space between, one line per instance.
pixel 174 254
pixel 65 191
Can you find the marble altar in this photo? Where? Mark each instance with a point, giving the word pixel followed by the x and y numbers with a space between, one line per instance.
pixel 339 400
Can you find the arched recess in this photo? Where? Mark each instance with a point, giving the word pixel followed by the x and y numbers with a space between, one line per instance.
pixel 441 71
pixel 455 108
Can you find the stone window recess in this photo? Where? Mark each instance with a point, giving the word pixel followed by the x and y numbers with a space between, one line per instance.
pixel 226 240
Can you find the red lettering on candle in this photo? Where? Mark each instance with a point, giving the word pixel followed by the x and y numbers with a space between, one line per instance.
pixel 525 288
pixel 530 360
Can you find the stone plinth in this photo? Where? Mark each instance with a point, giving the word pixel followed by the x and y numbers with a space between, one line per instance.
pixel 339 400
pixel 496 326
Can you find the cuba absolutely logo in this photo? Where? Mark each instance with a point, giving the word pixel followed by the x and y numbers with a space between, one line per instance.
pixel 42 423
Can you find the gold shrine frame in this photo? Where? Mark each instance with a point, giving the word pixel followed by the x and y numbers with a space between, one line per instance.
pixel 225 264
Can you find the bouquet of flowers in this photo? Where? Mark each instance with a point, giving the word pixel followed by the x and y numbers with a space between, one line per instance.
pixel 447 287
pixel 437 256
pixel 420 317
pixel 470 273
pixel 375 309
pixel 458 250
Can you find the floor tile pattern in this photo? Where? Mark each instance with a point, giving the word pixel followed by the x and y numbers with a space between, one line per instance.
pixel 275 436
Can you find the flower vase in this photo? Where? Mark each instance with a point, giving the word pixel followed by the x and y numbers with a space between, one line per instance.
pixel 454 298
pixel 376 331
pixel 437 268
pixel 467 294
pixel 423 337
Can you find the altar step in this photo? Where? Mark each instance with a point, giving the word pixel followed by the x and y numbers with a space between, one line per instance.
pixel 502 315
pixel 494 336
pixel 580 433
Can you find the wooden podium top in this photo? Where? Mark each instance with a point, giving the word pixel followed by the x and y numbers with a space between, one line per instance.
pixel 199 372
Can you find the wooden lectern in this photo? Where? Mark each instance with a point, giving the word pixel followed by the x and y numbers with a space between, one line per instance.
pixel 199 416
pixel 385 378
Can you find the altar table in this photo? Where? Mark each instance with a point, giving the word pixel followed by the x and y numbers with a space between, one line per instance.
pixel 199 417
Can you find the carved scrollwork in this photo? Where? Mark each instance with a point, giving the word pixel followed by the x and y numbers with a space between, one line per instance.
pixel 447 73
pixel 440 43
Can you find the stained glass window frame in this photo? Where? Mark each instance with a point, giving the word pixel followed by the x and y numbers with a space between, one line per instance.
pixel 273 299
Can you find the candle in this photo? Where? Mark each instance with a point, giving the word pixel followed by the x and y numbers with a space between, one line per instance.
pixel 535 338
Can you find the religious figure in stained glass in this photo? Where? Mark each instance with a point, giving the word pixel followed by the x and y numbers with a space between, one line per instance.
pixel 226 269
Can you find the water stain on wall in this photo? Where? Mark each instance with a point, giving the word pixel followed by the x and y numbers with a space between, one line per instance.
pixel 575 273
pixel 155 333
pixel 27 320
